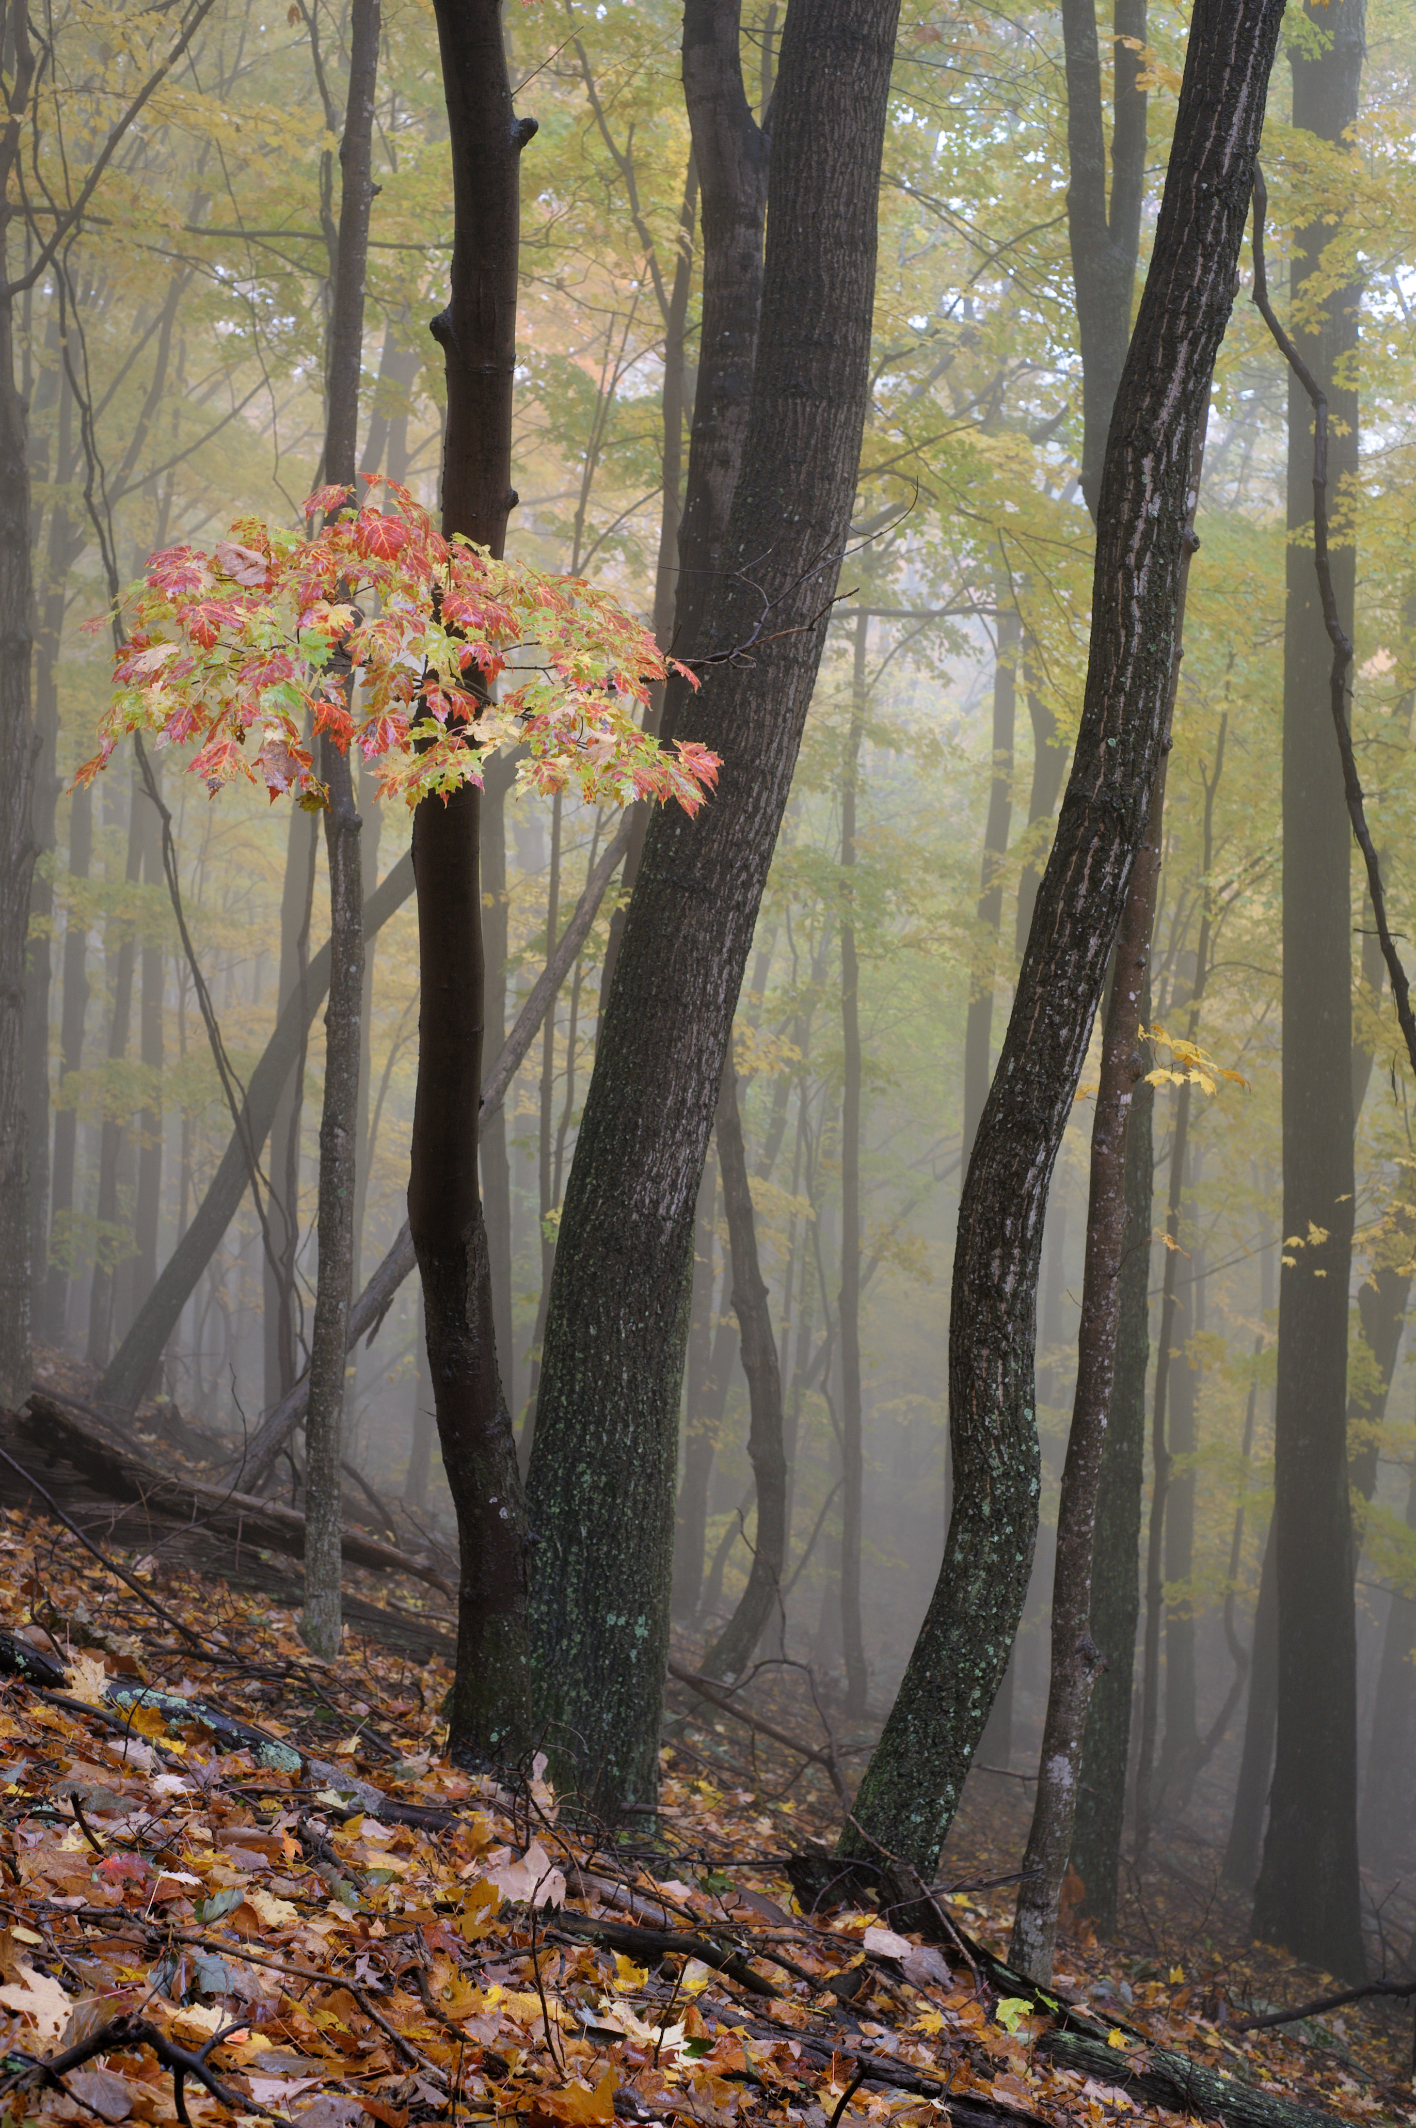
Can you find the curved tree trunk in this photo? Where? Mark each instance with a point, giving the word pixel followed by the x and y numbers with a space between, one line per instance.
pixel 912 1785
pixel 608 1419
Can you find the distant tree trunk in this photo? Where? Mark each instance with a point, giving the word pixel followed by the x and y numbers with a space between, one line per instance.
pixel 978 1027
pixel 1389 1793
pixel 420 1448
pixel 912 1785
pixel 730 1654
pixel 132 1366
pixel 148 1209
pixel 477 333
pixel 607 1421
pixel 1308 1893
pixel 1182 1735
pixel 852 1411
pixel 73 1011
pixel 1049 768
pixel 101 1292
pixel 369 839
pixel 1251 1794
pixel 700 1440
pixel 283 1202
pixel 321 1625
pixel 493 1156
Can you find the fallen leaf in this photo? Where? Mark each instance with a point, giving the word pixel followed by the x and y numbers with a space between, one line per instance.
pixel 533 1881
pixel 884 1943
pixel 40 1998
pixel 103 2092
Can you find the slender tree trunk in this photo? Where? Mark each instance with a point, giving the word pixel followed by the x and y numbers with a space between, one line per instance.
pixel 1076 1657
pixel 283 1202
pixel 1116 1587
pixel 911 1787
pixel 492 1152
pixel 101 1292
pixel 852 1411
pixel 978 1027
pixel 1182 1733
pixel 1308 1894
pixel 699 1445
pixel 1246 1829
pixel 73 1010
pixel 1389 1792
pixel 730 1654
pixel 420 1450
pixel 150 1129
pixel 607 1422
pixel 477 333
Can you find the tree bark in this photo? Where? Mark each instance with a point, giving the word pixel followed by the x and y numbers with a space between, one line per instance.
pixel 132 1366
pixel 730 1654
pixel 283 1197
pixel 1308 1896
pixel 912 1785
pixel 608 1419
pixel 488 1713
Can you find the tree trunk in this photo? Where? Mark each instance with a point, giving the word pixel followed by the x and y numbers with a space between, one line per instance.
pixel 1389 1793
pixel 607 1423
pixel 730 1654
pixel 978 1027
pixel 700 1439
pixel 1251 1794
pixel 141 1351
pixel 154 974
pixel 101 1292
pixel 1116 1585
pixel 477 333
pixel 283 1200
pixel 1182 1734
pixel 1308 1896
pixel 1076 1657
pixel 72 1013
pixel 852 1412
pixel 493 1156
pixel 912 1785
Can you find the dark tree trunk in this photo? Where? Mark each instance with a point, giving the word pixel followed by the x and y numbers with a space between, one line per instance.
pixel 1116 1585
pixel 141 1351
pixel 1251 1794
pixel 912 1785
pixel 477 333
pixel 1308 1898
pixel 852 1409
pixel 608 1417
pixel 730 1654
pixel 978 1027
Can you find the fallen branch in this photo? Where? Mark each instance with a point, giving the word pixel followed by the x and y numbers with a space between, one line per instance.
pixel 128 2031
pixel 1397 1988
pixel 661 1943
pixel 1179 2084
pixel 708 1689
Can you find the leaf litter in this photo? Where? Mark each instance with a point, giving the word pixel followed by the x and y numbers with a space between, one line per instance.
pixel 260 1893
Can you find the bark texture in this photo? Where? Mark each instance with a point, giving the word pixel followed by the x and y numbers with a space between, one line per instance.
pixel 912 1785
pixel 1307 1898
pixel 477 333
pixel 607 1426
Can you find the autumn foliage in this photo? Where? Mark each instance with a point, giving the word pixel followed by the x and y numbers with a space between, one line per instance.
pixel 454 653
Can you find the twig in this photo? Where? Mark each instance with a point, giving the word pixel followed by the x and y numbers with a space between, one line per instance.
pixel 120 1573
pixel 848 2094
pixel 129 2031
pixel 707 1689
pixel 1342 652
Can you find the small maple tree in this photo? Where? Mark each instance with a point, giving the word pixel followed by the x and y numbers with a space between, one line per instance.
pixel 234 649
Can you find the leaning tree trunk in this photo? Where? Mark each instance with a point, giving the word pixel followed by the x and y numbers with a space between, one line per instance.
pixel 912 1785
pixel 608 1420
pixel 1308 1895
pixel 731 1653
pixel 477 333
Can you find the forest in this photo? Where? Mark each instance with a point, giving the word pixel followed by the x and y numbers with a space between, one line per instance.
pixel 707 1200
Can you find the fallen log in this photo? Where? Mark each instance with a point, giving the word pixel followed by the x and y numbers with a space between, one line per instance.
pixel 266 1524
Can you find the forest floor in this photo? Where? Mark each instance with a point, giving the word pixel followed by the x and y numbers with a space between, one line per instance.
pixel 235 1880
